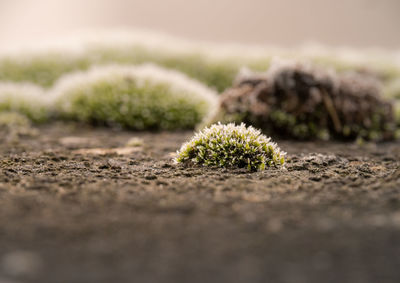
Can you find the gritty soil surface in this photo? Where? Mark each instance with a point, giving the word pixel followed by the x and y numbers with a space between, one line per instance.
pixel 76 205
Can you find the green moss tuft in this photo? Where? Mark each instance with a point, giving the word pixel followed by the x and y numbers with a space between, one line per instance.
pixel 231 146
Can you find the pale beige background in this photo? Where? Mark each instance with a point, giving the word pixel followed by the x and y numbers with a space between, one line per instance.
pixel 278 22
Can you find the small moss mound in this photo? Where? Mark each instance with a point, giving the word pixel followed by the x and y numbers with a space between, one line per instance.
pixel 13 120
pixel 231 146
pixel 25 99
pixel 135 97
pixel 14 125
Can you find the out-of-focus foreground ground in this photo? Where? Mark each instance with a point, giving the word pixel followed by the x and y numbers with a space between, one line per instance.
pixel 73 210
pixel 359 23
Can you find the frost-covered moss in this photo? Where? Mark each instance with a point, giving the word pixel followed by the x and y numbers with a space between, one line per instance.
pixel 42 68
pixel 231 146
pixel 212 64
pixel 25 99
pixel 45 69
pixel 216 73
pixel 141 98
pixel 45 66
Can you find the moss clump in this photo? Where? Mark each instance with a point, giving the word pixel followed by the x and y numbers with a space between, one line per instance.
pixel 300 101
pixel 14 125
pixel 26 99
pixel 134 142
pixel 140 98
pixel 231 146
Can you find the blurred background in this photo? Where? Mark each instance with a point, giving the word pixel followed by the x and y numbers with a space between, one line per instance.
pixel 357 23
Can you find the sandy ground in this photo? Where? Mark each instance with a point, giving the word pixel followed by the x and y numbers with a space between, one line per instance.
pixel 76 206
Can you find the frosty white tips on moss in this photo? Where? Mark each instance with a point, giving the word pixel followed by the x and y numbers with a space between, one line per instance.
pixel 136 97
pixel 231 146
pixel 24 98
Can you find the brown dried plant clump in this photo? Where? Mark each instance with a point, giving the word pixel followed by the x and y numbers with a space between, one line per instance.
pixel 298 100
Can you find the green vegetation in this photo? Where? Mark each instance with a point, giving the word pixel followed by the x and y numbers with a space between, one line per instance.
pixel 140 98
pixel 14 125
pixel 42 68
pixel 213 65
pixel 45 68
pixel 231 146
pixel 216 73
pixel 25 99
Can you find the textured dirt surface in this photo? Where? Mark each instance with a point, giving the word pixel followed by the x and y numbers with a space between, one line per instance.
pixel 78 206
